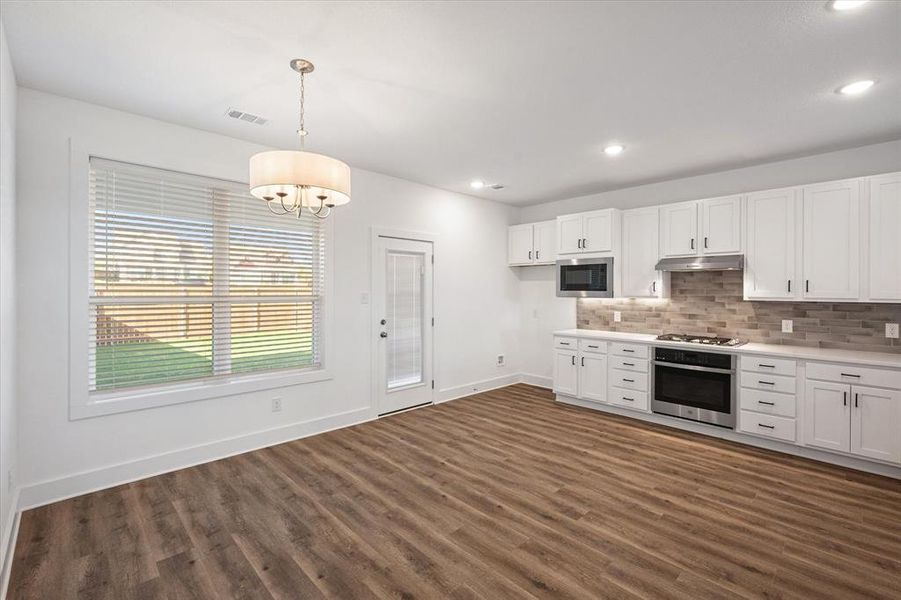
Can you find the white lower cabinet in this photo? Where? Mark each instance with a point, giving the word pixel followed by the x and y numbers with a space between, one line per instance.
pixel 566 373
pixel 780 428
pixel 827 415
pixel 593 377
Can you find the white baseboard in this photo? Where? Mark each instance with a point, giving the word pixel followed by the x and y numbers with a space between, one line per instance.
pixel 741 438
pixel 537 380
pixel 477 386
pixel 10 533
pixel 46 492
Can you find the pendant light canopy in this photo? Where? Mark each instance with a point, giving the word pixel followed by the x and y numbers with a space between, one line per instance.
pixel 291 180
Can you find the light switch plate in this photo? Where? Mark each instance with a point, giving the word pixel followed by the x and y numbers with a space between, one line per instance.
pixel 617 316
pixel 788 326
pixel 891 330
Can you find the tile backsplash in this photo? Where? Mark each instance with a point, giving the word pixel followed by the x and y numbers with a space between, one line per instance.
pixel 710 302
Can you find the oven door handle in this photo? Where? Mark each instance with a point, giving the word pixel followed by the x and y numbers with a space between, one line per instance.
pixel 658 363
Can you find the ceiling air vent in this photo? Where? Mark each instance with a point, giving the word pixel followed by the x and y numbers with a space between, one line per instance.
pixel 246 116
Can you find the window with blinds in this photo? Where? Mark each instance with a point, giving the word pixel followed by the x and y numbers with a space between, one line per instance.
pixel 193 278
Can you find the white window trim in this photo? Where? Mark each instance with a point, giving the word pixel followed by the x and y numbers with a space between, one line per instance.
pixel 83 404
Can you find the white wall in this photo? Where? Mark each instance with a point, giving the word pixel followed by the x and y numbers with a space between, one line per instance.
pixel 8 466
pixel 476 299
pixel 542 312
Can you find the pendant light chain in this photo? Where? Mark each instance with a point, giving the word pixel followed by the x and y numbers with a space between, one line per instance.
pixel 302 132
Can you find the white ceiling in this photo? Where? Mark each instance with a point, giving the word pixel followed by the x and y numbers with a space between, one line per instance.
pixel 522 93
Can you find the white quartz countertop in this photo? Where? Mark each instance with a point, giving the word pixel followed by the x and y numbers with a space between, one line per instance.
pixel 876 359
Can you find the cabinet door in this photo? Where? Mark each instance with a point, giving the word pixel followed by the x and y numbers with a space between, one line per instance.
pixel 827 415
pixel 885 238
pixel 598 231
pixel 721 225
pixel 831 253
pixel 545 242
pixel 569 234
pixel 772 242
pixel 640 253
pixel 593 377
pixel 566 373
pixel 679 229
pixel 519 245
pixel 876 423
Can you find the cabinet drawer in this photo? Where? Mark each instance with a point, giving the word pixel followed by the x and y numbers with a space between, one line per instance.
pixel 772 403
pixel 629 380
pixel 634 350
pixel 566 343
pixel 852 374
pixel 779 428
pixel 763 364
pixel 629 364
pixel 594 346
pixel 771 383
pixel 628 398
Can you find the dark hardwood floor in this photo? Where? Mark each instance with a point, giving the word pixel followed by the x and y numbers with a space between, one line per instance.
pixel 505 494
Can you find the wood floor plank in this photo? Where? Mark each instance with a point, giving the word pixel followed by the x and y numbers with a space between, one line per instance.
pixel 504 494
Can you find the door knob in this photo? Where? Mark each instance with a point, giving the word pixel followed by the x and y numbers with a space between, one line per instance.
pixel 383 334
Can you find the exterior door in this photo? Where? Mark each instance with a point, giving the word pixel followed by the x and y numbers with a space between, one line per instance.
pixel 566 373
pixel 875 422
pixel 828 415
pixel 721 225
pixel 679 229
pixel 772 241
pixel 519 245
pixel 402 303
pixel 832 240
pixel 569 234
pixel 593 377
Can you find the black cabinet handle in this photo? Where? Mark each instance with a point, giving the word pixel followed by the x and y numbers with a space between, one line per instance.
pixel 530 255
pixel 692 243
pixel 789 285
pixel 627 350
pixel 590 346
pixel 766 382
pixel 583 361
pixel 806 285
pixel 766 426
pixel 767 366
pixel 844 398
pixel 767 403
pixel 705 241
pixel 629 399
pixel 579 242
pixel 574 361
pixel 629 364
pixel 855 400
pixel 850 375
pixel 537 252
pixel 654 287
pixel 584 243
pixel 629 380
pixel 564 343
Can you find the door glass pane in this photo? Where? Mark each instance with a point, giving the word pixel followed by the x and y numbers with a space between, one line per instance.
pixel 405 320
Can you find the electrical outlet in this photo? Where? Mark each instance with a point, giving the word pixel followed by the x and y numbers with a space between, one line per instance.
pixel 501 360
pixel 788 326
pixel 277 404
pixel 891 330
pixel 617 316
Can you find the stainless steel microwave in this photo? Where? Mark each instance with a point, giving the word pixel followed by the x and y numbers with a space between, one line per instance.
pixel 585 277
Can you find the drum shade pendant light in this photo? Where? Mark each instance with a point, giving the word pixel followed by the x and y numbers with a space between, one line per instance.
pixel 291 180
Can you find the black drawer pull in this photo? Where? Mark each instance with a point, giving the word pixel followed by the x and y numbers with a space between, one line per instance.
pixel 629 399
pixel 628 364
pixel 850 375
pixel 564 343
pixel 767 366
pixel 767 403
pixel 766 382
pixel 627 350
pixel 629 380
pixel 590 346
pixel 766 426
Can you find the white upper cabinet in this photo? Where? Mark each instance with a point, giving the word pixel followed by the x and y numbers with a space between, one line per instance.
pixel 701 227
pixel 884 252
pixel 586 232
pixel 720 225
pixel 519 245
pixel 640 253
pixel 770 261
pixel 531 244
pixel 831 248
pixel 679 229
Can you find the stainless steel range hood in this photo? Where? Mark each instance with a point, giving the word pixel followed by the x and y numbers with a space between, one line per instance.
pixel 728 262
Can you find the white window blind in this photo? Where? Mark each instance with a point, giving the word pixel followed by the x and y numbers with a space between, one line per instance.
pixel 193 278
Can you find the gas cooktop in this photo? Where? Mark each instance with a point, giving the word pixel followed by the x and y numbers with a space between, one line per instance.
pixel 707 340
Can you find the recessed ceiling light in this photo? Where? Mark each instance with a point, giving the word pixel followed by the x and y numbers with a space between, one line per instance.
pixel 477 184
pixel 614 149
pixel 841 5
pixel 857 87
